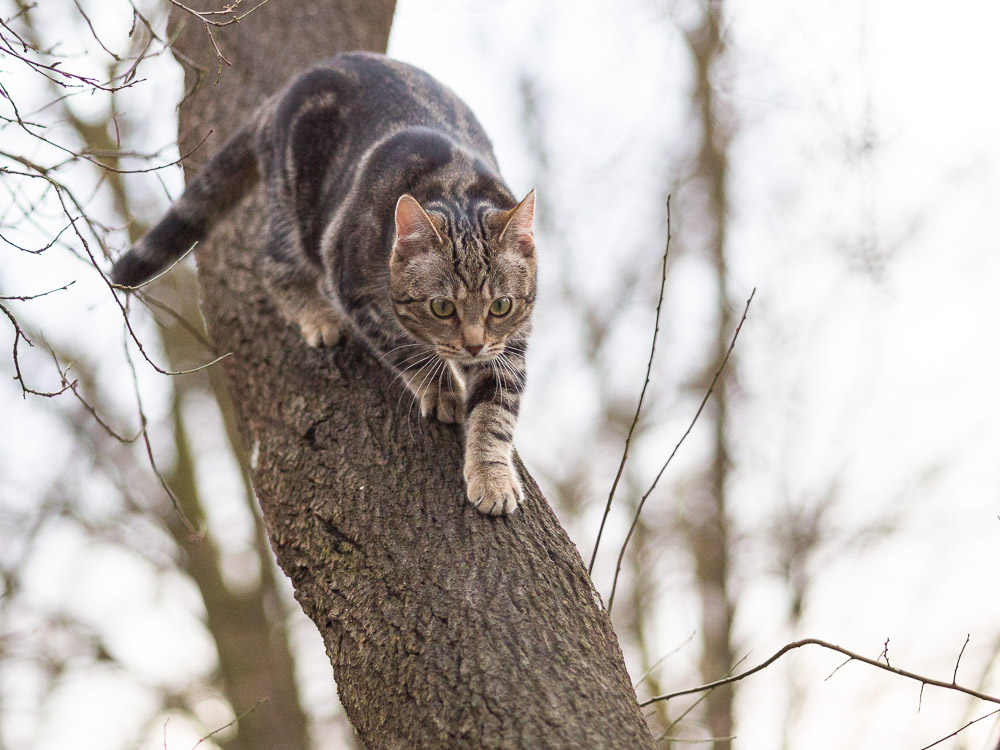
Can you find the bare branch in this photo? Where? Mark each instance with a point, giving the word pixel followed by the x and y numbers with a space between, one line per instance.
pixel 168 269
pixel 151 301
pixel 642 396
pixel 832 647
pixel 42 294
pixel 642 501
pixel 662 659
pixel 20 335
pixel 229 10
pixel 954 674
pixel 206 18
pixel 226 726
pixel 143 427
pixel 961 729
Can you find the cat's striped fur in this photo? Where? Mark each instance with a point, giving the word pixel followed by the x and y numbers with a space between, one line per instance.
pixel 387 214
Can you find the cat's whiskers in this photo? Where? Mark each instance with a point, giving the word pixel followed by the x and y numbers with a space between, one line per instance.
pixel 417 359
pixel 423 363
pixel 506 361
pixel 516 375
pixel 409 389
pixel 498 378
pixel 515 347
pixel 397 348
pixel 440 378
pixel 505 365
pixel 403 370
pixel 427 379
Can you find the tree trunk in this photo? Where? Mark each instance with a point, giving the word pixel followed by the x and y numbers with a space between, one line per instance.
pixel 710 534
pixel 445 628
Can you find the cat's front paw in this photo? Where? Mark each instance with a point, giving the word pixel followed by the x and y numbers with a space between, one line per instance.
pixel 321 327
pixel 493 487
pixel 445 405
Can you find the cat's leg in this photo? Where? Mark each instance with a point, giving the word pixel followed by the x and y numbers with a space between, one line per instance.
pixel 439 391
pixel 294 286
pixel 300 302
pixel 494 399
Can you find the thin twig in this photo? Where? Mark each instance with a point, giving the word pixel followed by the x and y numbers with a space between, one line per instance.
pixel 26 298
pixel 661 660
pixel 961 729
pixel 93 33
pixel 226 726
pixel 202 15
pixel 642 501
pixel 144 431
pixel 696 703
pixel 73 156
pixel 832 647
pixel 151 301
pixel 74 388
pixel 689 741
pixel 885 653
pixel 60 189
pixel 839 667
pixel 684 714
pixel 164 272
pixel 954 674
pixel 20 335
pixel 642 396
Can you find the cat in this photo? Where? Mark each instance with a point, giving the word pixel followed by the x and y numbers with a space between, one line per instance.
pixel 388 218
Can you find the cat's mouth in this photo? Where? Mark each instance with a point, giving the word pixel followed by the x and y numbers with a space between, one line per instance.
pixel 486 354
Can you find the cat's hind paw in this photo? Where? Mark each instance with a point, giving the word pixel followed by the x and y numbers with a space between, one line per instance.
pixel 493 488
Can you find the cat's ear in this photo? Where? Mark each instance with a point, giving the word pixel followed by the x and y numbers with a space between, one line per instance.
pixel 517 232
pixel 415 232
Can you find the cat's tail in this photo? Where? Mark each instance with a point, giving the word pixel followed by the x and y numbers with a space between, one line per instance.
pixel 217 188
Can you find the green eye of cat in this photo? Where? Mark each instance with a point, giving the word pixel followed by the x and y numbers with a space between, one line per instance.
pixel 500 306
pixel 442 307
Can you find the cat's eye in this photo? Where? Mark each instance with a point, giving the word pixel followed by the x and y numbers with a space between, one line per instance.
pixel 500 306
pixel 442 307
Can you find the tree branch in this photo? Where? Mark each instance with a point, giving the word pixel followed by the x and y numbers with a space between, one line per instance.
pixel 642 397
pixel 852 656
pixel 694 420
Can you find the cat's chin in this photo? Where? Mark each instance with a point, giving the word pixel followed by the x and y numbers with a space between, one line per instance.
pixel 460 359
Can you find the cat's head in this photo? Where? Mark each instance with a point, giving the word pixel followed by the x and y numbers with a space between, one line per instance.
pixel 464 284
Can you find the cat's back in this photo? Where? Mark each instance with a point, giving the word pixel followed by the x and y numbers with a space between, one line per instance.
pixel 370 97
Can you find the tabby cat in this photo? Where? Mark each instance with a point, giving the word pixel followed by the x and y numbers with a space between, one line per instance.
pixel 387 215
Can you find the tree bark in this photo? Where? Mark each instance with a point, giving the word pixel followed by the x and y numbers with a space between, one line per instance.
pixel 445 628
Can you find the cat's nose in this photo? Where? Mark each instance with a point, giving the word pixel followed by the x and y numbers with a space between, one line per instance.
pixel 473 349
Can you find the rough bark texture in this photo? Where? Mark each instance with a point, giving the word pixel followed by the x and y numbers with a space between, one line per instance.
pixel 445 628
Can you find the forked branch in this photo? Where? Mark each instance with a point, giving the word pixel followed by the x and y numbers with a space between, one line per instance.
pixel 851 656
